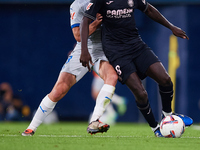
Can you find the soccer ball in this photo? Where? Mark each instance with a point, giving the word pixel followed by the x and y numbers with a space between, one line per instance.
pixel 172 126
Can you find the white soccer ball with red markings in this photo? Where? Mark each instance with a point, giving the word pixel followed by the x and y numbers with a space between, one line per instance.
pixel 172 126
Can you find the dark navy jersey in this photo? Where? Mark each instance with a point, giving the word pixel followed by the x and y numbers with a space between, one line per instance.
pixel 119 33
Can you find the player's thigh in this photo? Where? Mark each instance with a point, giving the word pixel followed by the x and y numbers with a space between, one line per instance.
pixel 66 79
pixel 158 72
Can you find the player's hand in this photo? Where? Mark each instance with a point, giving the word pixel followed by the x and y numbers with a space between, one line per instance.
pixel 99 17
pixel 86 59
pixel 179 32
pixel 98 20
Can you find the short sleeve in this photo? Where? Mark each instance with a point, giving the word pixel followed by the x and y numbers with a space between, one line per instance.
pixel 93 8
pixel 142 5
pixel 75 16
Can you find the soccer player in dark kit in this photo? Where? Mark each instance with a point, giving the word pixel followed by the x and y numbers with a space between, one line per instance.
pixel 132 59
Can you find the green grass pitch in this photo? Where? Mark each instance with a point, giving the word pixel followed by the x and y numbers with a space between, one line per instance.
pixel 73 136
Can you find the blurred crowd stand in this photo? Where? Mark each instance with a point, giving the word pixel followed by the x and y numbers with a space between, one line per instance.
pixel 12 107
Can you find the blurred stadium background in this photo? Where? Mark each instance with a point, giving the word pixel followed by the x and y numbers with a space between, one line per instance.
pixel 36 37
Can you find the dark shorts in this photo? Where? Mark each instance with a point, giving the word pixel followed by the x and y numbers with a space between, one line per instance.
pixel 139 64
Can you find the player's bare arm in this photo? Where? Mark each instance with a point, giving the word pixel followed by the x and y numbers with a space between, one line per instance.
pixel 155 15
pixel 95 24
pixel 92 27
pixel 85 57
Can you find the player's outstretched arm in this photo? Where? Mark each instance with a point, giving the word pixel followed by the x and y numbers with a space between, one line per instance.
pixel 155 15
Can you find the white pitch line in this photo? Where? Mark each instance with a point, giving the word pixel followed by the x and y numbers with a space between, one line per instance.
pixel 106 136
pixel 95 136
pixel 75 136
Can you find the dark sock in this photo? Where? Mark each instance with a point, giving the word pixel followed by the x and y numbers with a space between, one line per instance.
pixel 148 114
pixel 166 94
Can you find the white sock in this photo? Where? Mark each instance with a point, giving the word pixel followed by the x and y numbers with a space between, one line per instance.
pixel 103 99
pixel 166 114
pixel 45 108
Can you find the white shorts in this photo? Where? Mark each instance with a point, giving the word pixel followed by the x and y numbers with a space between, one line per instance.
pixel 73 65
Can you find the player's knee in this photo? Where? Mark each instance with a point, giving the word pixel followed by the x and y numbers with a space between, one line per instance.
pixel 111 79
pixel 114 77
pixel 166 81
pixel 141 97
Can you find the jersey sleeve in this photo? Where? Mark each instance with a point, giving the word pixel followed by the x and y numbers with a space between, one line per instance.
pixel 76 15
pixel 93 8
pixel 142 5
